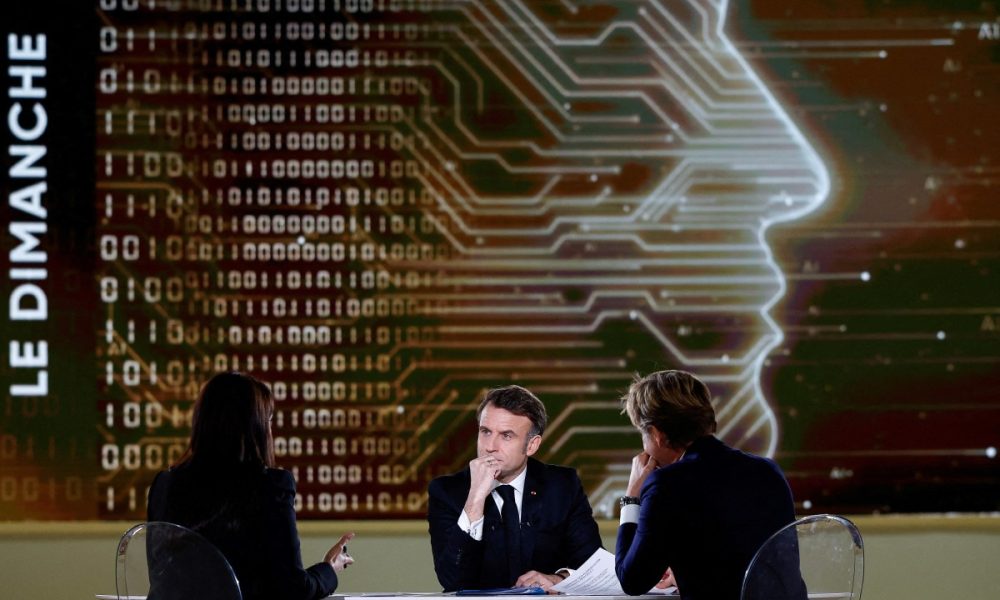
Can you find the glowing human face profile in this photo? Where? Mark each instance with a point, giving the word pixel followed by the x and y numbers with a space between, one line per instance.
pixel 606 173
pixel 386 208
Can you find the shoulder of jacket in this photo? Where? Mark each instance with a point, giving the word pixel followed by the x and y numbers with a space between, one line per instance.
pixel 160 482
pixel 550 472
pixel 281 479
pixel 451 480
pixel 559 470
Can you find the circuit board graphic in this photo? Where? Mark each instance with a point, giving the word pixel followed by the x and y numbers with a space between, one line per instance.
pixel 386 207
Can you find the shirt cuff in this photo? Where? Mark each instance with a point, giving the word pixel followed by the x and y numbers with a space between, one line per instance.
pixel 629 514
pixel 475 530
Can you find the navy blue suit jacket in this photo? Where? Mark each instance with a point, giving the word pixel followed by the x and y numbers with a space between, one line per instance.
pixel 250 518
pixel 557 529
pixel 704 516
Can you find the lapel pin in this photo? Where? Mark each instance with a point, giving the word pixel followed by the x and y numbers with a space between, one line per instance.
pixel 534 493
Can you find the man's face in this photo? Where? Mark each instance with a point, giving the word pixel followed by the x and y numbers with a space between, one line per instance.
pixel 507 438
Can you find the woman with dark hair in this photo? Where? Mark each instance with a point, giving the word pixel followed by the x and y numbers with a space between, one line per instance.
pixel 226 488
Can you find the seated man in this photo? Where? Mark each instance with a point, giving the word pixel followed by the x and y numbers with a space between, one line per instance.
pixel 693 504
pixel 507 519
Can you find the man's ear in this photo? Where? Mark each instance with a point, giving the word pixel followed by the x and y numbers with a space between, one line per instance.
pixel 659 438
pixel 533 445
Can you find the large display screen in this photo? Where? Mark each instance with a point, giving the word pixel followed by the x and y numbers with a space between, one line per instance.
pixel 384 208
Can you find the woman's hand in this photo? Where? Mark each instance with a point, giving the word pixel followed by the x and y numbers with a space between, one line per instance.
pixel 338 556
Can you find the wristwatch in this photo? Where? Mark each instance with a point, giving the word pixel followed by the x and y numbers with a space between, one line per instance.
pixel 626 500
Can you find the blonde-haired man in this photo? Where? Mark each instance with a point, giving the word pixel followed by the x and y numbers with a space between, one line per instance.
pixel 693 504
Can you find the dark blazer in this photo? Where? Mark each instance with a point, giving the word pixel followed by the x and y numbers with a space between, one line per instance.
pixel 557 529
pixel 704 516
pixel 249 516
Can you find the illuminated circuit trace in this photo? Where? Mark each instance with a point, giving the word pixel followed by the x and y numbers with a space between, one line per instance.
pixel 385 208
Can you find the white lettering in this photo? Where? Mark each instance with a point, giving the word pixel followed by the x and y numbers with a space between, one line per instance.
pixel 28 301
pixel 31 155
pixel 26 51
pixel 28 250
pixel 29 199
pixel 23 354
pixel 40 388
pixel 27 88
pixel 27 135
pixel 19 312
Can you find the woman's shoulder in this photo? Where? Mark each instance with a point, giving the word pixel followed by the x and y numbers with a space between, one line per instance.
pixel 257 487
pixel 280 479
pixel 226 481
pixel 167 478
pixel 155 503
pixel 161 478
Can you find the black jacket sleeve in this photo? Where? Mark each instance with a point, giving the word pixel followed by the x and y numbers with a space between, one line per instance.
pixel 458 557
pixel 643 551
pixel 583 537
pixel 288 578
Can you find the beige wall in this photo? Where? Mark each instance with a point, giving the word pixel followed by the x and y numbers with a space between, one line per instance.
pixel 906 558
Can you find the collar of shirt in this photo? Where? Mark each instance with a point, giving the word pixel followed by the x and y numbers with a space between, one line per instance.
pixel 517 484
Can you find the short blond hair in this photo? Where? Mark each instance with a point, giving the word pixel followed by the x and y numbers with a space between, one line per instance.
pixel 675 402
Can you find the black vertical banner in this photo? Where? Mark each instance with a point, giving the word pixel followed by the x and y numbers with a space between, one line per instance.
pixel 50 309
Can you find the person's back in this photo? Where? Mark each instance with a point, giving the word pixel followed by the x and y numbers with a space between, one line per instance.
pixel 723 504
pixel 248 517
pixel 227 489
pixel 693 504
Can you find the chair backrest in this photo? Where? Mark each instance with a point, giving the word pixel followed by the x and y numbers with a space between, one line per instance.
pixel 821 556
pixel 165 561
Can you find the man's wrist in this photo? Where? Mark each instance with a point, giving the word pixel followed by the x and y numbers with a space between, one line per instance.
pixel 475 501
pixel 627 500
pixel 472 527
pixel 474 507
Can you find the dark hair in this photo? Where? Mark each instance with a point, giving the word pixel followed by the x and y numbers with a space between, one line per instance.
pixel 230 424
pixel 675 402
pixel 517 400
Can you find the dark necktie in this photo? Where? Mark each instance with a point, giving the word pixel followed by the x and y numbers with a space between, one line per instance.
pixel 511 531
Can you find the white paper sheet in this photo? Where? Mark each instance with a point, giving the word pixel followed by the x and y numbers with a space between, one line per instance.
pixel 596 577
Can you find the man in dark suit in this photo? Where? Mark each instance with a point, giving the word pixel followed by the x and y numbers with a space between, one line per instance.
pixel 508 519
pixel 693 504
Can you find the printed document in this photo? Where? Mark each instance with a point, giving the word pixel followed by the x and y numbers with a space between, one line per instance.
pixel 597 577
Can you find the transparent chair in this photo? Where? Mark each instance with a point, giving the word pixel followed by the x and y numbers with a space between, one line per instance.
pixel 821 556
pixel 164 561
